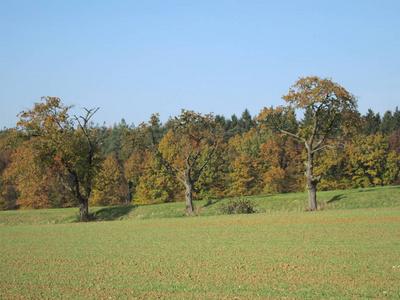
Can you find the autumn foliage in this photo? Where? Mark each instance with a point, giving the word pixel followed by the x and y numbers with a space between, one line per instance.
pixel 52 159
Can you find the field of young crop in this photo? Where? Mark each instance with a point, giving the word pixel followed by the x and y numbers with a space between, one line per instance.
pixel 342 254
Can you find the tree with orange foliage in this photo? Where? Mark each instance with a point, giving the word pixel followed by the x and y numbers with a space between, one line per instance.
pixel 67 145
pixel 245 175
pixel 325 106
pixel 37 185
pixel 282 154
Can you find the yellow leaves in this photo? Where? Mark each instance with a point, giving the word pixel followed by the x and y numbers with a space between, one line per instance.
pixel 172 144
pixel 371 161
pixel 245 175
pixel 152 184
pixel 271 152
pixel 248 142
pixel 274 180
pixel 109 187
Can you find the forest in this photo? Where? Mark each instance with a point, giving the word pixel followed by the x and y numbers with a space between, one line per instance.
pixel 52 159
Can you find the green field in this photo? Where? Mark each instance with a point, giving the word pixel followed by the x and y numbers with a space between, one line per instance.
pixel 349 250
pixel 383 197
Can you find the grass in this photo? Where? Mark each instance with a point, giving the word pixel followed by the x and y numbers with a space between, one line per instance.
pixel 331 254
pixel 383 197
pixel 350 250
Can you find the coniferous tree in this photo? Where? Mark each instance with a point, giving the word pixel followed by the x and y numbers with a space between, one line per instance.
pixel 396 119
pixel 245 123
pixel 372 122
pixel 387 124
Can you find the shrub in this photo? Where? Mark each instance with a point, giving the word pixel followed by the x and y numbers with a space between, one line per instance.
pixel 239 206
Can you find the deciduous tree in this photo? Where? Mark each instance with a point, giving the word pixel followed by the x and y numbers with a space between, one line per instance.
pixel 282 156
pixel 188 147
pixel 247 167
pixel 68 145
pixel 38 186
pixel 325 106
pixel 372 162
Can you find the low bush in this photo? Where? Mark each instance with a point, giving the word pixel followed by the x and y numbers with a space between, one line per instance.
pixel 238 206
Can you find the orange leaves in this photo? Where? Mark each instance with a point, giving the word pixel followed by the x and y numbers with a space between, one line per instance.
pixel 275 180
pixel 271 152
pixel 37 186
pixel 318 93
pixel 45 118
pixel 325 106
pixel 283 157
pixel 65 148
pixel 246 176
pixel 190 143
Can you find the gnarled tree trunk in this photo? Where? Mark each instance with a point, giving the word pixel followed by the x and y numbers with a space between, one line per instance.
pixel 311 181
pixel 189 197
pixel 312 194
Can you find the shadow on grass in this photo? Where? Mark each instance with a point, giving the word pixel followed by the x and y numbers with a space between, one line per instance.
pixel 374 189
pixel 112 213
pixel 336 198
pixel 211 202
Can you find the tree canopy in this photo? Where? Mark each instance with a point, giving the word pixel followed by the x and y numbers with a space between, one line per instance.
pixel 52 159
pixel 326 108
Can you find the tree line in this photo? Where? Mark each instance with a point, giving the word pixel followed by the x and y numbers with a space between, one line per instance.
pixel 52 159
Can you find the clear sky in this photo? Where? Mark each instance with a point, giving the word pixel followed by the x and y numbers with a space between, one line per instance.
pixel 134 58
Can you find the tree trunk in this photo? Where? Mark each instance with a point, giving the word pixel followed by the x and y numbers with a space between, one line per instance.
pixel 130 188
pixel 312 195
pixel 189 198
pixel 311 183
pixel 84 210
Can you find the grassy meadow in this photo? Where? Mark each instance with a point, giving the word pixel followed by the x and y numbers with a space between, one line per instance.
pixel 349 250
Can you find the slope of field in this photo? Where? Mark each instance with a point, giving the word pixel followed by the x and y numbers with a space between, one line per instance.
pixel 341 254
pixel 382 197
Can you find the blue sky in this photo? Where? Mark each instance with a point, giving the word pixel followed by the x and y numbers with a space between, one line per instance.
pixel 135 58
